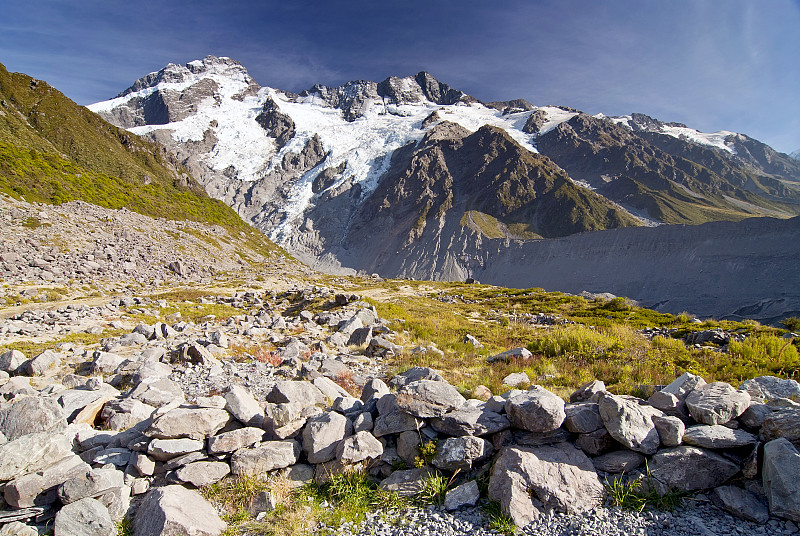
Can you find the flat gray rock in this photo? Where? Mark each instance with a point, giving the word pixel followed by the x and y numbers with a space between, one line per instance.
pixel 429 398
pixel 234 440
pixel 32 452
pixel 175 510
pixel 466 494
pixel 717 437
pixel 265 457
pixel 194 423
pixel 740 503
pixel 536 410
pixel 90 484
pixel 689 468
pixel 583 418
pixel 201 474
pixel 359 447
pixel 158 392
pixel 406 482
pixel 86 517
pixel 395 422
pixel 716 403
pixel 470 420
pixel 166 449
pixel 302 392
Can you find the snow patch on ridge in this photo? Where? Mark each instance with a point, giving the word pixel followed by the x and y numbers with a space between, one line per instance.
pixel 712 139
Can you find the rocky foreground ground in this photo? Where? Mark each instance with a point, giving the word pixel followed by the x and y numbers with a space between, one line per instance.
pixel 126 404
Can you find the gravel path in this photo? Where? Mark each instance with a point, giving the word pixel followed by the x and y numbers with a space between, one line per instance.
pixel 696 518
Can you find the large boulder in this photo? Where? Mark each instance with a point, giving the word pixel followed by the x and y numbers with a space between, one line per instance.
pixel 11 361
pixel 779 472
pixel 265 457
pixel 531 481
pixel 690 469
pixel 536 410
pixel 176 511
pixel 87 517
pixel 716 403
pixel 359 447
pixel 429 398
pixel 194 423
pixel 322 435
pixel 470 420
pixel 37 366
pixel 630 421
pixel 31 414
pixel 243 405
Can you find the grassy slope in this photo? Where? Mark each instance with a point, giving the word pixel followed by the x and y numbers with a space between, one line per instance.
pixel 53 151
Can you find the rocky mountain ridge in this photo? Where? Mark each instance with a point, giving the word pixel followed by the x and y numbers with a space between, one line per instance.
pixel 306 168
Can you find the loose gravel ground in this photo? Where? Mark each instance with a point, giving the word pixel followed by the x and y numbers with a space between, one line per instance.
pixel 695 518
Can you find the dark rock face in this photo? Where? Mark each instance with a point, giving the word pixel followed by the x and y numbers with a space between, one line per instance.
pixel 278 125
pixel 535 122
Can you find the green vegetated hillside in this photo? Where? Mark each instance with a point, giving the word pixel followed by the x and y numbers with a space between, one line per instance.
pixel 664 178
pixel 54 151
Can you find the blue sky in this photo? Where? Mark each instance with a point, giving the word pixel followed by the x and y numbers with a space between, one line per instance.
pixel 712 64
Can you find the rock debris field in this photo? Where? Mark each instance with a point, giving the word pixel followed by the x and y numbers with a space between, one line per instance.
pixel 134 424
